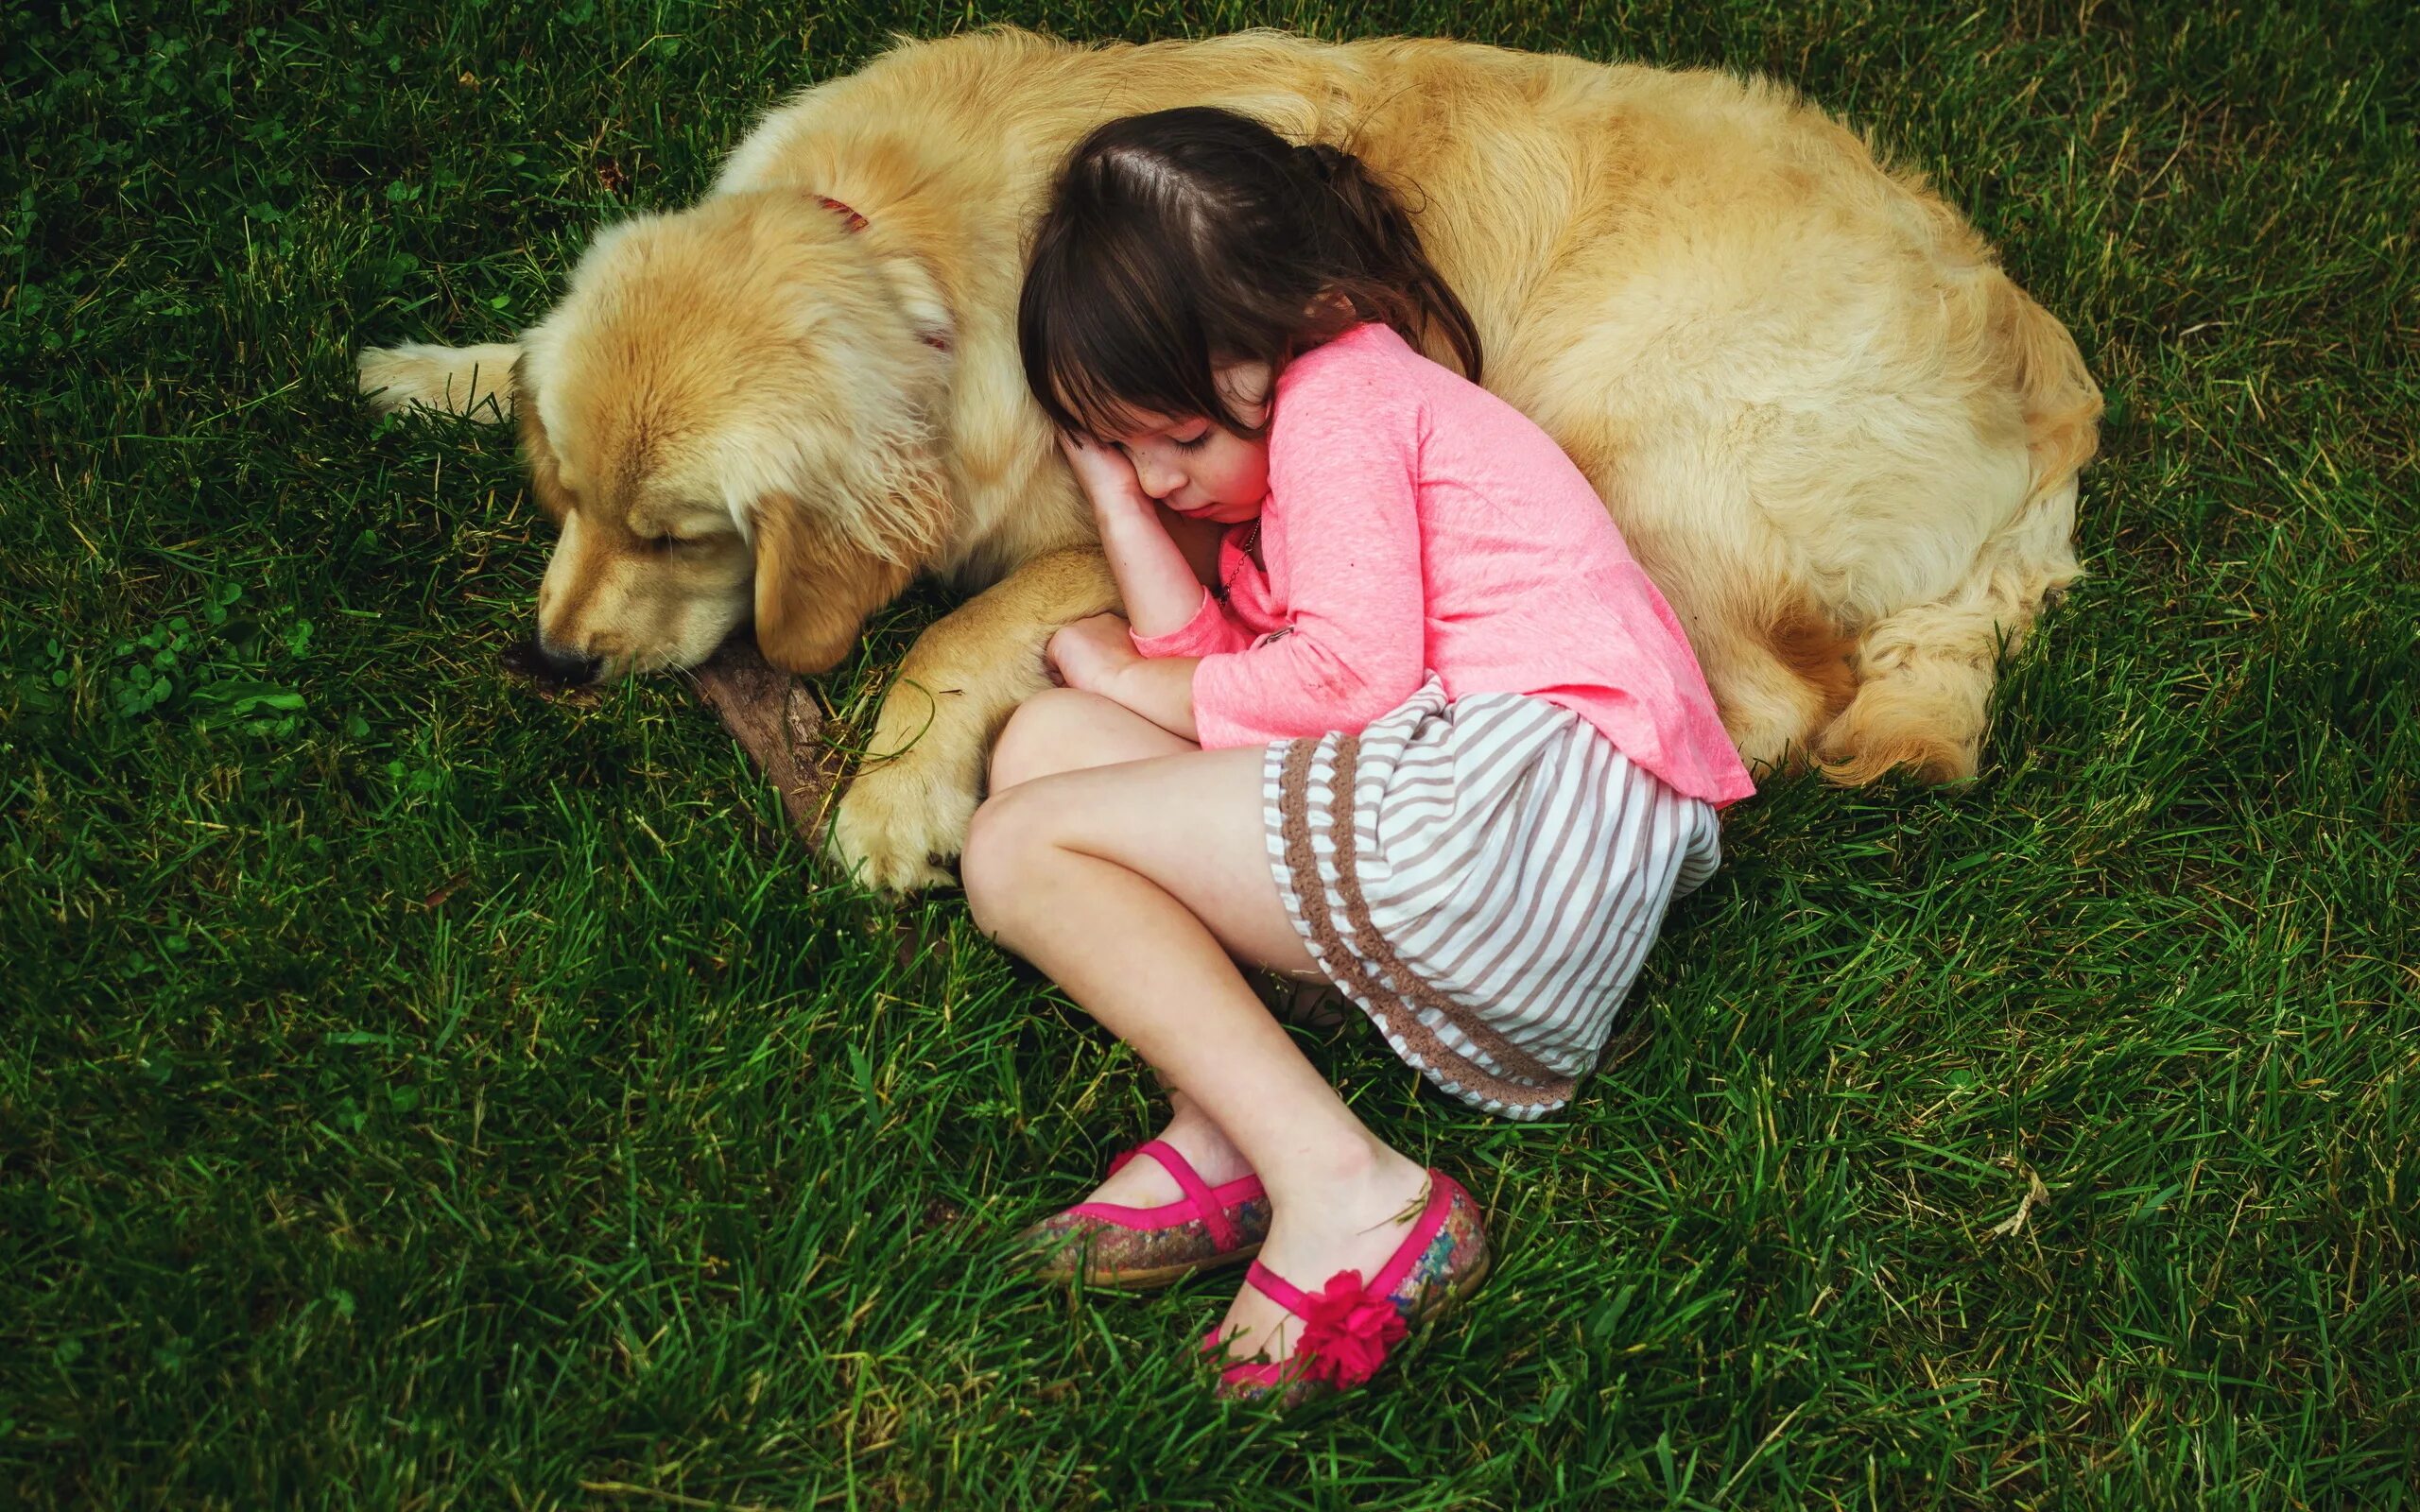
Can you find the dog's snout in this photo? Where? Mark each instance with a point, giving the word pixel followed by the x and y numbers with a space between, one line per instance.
pixel 534 658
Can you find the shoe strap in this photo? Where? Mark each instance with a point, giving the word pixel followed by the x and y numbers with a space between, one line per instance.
pixel 1206 1202
pixel 1278 1289
pixel 1392 1274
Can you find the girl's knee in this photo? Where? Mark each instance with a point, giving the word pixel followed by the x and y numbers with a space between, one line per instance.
pixel 1043 735
pixel 1008 837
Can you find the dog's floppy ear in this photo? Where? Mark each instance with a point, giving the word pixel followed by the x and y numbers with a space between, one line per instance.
pixel 843 521
pixel 538 453
pixel 815 583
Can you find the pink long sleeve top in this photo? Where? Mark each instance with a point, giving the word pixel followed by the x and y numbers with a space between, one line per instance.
pixel 1416 524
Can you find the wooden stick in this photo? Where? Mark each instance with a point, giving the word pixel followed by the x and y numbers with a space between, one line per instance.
pixel 777 721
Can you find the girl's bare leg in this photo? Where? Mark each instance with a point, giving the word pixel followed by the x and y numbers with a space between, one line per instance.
pixel 1062 730
pixel 1131 884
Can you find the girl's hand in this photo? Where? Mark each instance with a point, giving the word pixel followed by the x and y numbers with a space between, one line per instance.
pixel 1091 654
pixel 1107 477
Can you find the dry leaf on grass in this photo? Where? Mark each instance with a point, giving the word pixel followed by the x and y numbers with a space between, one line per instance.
pixel 2015 1224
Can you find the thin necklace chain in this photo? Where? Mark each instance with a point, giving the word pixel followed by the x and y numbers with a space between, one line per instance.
pixel 1245 547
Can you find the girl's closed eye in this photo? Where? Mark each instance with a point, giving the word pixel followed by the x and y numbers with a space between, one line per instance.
pixel 1201 439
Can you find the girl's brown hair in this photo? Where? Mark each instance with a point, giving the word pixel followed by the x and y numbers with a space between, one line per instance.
pixel 1187 239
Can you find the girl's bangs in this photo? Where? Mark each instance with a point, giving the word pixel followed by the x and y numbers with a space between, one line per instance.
pixel 1112 349
pixel 1096 386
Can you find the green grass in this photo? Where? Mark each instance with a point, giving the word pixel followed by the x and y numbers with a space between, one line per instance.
pixel 415 1095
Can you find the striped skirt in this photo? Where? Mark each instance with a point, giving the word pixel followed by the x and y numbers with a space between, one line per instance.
pixel 1482 878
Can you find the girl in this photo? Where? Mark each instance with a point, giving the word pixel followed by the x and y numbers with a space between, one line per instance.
pixel 1423 731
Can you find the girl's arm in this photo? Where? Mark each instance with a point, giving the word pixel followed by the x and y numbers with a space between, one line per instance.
pixel 1161 690
pixel 1357 597
pixel 1161 590
pixel 1345 457
pixel 1098 655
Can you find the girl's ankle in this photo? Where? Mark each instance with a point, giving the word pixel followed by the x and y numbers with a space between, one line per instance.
pixel 1353 1178
pixel 1206 1146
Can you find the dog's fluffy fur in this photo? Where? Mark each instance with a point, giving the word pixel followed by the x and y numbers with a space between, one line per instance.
pixel 1841 440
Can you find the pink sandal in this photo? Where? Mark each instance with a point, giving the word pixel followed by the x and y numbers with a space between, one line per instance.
pixel 1347 1326
pixel 1137 1249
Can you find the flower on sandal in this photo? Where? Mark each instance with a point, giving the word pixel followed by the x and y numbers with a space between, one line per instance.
pixel 1346 1330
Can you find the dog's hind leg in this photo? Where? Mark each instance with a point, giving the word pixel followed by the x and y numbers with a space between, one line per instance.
pixel 473 382
pixel 1924 674
pixel 903 819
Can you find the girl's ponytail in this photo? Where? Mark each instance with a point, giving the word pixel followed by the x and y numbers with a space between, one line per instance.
pixel 1399 285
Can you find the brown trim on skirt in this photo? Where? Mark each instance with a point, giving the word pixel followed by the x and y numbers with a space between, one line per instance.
pixel 1385 1004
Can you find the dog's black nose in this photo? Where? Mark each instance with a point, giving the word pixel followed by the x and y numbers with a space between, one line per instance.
pixel 534 658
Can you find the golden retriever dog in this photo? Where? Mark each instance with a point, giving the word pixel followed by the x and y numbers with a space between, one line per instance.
pixel 1841 440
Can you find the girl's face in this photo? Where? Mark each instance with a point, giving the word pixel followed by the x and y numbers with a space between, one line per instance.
pixel 1199 468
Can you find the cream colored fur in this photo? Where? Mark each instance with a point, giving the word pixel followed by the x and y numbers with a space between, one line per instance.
pixel 1842 442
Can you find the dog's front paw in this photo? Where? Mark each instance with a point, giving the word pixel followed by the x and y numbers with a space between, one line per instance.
pixel 900 825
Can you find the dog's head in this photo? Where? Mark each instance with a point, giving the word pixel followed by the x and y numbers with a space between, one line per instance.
pixel 730 414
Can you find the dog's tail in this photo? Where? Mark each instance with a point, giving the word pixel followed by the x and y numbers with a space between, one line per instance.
pixel 473 382
pixel 1924 674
